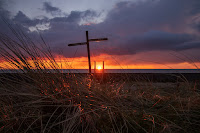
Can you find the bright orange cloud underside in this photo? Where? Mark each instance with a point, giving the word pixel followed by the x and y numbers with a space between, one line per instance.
pixel 110 63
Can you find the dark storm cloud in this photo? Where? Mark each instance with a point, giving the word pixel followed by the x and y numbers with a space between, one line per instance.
pixel 133 27
pixel 149 26
pixel 3 12
pixel 75 17
pixel 171 15
pixel 50 9
pixel 152 41
pixel 196 25
pixel 4 16
pixel 22 19
pixel 158 40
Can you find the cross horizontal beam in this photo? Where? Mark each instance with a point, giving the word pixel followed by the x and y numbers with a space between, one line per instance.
pixel 75 44
pixel 90 40
pixel 98 39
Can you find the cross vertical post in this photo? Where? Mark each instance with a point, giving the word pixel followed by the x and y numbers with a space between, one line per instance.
pixel 103 66
pixel 103 73
pixel 94 67
pixel 88 50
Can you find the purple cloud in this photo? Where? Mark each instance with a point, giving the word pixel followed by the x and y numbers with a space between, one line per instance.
pixel 132 28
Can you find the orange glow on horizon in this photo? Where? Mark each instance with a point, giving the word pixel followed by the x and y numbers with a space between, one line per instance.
pixel 119 62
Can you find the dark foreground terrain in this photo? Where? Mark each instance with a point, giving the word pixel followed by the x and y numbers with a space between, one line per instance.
pixel 106 77
pixel 102 103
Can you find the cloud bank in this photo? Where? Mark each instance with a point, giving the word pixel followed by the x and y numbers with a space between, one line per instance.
pixel 132 27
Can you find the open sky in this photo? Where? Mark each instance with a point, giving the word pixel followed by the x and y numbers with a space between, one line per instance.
pixel 150 34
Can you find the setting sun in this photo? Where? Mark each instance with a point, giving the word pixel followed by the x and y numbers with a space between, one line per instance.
pixel 99 68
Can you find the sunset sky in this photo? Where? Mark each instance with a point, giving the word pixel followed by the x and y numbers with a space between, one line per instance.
pixel 142 34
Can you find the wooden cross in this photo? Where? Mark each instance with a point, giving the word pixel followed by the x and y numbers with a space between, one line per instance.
pixel 88 47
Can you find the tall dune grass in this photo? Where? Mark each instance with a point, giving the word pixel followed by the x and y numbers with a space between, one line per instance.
pixel 41 100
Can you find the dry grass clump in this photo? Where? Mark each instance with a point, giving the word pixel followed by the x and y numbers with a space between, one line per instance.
pixel 41 100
